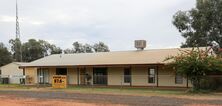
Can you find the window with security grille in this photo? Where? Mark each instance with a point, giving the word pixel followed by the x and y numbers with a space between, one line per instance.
pixel 178 79
pixel 151 75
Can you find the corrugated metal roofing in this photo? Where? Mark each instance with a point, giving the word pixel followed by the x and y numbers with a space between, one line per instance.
pixel 153 56
pixel 17 63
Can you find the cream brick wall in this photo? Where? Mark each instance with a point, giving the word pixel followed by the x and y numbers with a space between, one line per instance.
pixel 140 76
pixel 167 78
pixel 115 76
pixel 32 72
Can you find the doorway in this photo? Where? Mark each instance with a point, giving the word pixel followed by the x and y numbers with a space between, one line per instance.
pixel 100 76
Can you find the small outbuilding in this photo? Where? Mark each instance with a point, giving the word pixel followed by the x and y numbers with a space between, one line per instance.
pixel 12 73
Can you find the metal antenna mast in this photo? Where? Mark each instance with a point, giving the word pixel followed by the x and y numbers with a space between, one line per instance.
pixel 17 23
pixel 18 32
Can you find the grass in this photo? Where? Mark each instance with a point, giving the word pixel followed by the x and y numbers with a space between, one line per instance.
pixel 124 91
pixel 108 90
pixel 16 86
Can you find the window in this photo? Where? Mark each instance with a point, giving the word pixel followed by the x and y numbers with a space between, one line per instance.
pixel 61 71
pixel 127 75
pixel 178 79
pixel 151 75
pixel 43 76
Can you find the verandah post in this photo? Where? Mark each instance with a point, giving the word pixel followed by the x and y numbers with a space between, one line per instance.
pixel 157 72
pixel 78 76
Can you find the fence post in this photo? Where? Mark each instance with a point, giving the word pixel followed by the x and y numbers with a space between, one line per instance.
pixel 8 80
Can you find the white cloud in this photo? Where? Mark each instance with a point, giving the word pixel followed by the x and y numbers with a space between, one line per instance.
pixel 7 19
pixel 116 22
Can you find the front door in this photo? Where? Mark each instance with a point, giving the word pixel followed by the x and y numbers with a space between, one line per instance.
pixel 100 76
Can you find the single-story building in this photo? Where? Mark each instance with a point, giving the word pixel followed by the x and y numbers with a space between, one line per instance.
pixel 12 72
pixel 120 68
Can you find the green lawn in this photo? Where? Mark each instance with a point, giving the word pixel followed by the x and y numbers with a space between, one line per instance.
pixel 124 91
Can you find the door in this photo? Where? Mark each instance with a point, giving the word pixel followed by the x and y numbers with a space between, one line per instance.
pixel 43 76
pixel 100 76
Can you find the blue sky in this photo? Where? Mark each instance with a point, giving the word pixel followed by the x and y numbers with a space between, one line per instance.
pixel 116 22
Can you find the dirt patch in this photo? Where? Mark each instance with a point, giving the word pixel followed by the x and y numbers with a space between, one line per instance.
pixel 201 105
pixel 15 101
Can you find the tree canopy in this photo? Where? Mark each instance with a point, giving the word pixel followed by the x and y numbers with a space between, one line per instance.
pixel 202 24
pixel 100 47
pixel 16 49
pixel 196 64
pixel 32 50
pixel 87 48
pixel 5 55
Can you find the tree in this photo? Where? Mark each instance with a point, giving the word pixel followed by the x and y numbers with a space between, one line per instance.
pixel 16 49
pixel 87 48
pixel 78 47
pixel 68 51
pixel 33 50
pixel 202 24
pixel 195 64
pixel 50 48
pixel 100 47
pixel 5 55
pixel 45 47
pixel 55 50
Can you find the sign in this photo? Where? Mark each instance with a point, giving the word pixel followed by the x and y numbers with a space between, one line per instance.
pixel 59 81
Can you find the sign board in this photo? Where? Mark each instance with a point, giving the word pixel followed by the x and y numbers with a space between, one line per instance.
pixel 59 81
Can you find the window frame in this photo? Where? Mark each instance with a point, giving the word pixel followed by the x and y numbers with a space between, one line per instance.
pixel 180 80
pixel 127 77
pixel 152 75
pixel 44 72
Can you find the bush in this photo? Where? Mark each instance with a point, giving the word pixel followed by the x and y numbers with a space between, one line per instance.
pixel 211 83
